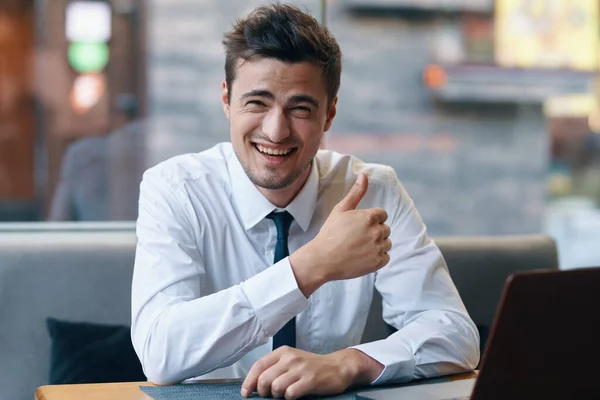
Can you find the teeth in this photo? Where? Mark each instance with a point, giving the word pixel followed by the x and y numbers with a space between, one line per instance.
pixel 273 152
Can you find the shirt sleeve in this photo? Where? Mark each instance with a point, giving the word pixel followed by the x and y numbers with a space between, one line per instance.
pixel 435 334
pixel 178 331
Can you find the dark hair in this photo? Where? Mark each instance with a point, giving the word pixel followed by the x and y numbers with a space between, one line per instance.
pixel 286 33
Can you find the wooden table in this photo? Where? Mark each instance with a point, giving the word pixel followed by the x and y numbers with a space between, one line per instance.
pixel 125 391
pixel 94 391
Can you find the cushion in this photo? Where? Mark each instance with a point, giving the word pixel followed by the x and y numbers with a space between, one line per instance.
pixel 484 332
pixel 83 352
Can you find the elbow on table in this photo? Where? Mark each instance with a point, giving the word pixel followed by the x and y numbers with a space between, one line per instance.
pixel 164 366
pixel 160 377
pixel 472 359
pixel 472 353
pixel 157 361
pixel 160 370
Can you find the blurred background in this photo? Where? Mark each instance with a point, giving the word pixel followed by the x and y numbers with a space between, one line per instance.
pixel 487 110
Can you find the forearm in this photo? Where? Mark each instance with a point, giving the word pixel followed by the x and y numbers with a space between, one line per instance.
pixel 359 368
pixel 432 343
pixel 455 350
pixel 304 265
pixel 177 339
pixel 192 338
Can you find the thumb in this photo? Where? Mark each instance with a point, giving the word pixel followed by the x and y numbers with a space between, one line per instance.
pixel 355 194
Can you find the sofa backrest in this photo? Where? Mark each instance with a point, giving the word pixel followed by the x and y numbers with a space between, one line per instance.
pixel 479 267
pixel 67 271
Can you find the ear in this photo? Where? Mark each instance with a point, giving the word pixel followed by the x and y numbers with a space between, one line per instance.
pixel 225 99
pixel 330 114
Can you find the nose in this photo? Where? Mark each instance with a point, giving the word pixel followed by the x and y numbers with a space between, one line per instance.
pixel 275 125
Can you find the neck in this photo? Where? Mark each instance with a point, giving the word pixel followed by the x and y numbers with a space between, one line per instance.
pixel 282 197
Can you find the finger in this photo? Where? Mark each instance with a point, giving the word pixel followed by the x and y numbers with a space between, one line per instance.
pixel 386 246
pixel 265 380
pixel 355 194
pixel 386 231
pixel 249 384
pixel 298 389
pixel 281 383
pixel 378 215
pixel 385 259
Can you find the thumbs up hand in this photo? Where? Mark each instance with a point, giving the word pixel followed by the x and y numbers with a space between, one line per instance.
pixel 354 196
pixel 351 243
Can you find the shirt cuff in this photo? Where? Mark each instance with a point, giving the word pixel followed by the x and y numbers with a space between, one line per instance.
pixel 275 297
pixel 397 360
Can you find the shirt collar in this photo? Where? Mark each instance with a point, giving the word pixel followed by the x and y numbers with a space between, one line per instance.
pixel 253 207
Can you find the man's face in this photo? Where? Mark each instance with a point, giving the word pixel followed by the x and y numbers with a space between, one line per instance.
pixel 277 115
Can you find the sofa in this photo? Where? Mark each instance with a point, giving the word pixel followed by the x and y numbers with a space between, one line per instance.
pixel 82 272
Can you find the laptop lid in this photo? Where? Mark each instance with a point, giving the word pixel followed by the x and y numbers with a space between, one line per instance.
pixel 545 339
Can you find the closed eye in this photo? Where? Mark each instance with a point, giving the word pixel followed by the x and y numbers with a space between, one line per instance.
pixel 302 108
pixel 256 103
pixel 301 111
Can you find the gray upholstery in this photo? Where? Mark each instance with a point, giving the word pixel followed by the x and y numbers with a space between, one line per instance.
pixel 82 272
pixel 479 267
pixel 72 274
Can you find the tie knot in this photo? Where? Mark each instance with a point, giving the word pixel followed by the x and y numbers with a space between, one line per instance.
pixel 282 220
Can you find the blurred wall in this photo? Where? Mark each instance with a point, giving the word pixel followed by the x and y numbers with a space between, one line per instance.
pixel 17 111
pixel 471 169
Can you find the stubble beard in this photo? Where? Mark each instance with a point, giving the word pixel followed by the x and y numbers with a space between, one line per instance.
pixel 272 181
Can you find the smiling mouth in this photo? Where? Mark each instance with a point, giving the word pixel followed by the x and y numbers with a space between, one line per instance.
pixel 274 152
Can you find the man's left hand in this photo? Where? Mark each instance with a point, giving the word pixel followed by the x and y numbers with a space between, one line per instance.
pixel 292 373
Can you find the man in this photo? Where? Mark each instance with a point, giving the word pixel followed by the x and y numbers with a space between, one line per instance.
pixel 214 286
pixel 99 177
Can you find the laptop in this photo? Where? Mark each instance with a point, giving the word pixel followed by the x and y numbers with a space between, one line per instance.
pixel 544 343
pixel 545 338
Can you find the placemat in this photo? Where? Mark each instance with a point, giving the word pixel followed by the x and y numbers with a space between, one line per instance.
pixel 216 391
pixel 231 391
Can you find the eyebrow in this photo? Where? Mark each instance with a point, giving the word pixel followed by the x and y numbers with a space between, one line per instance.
pixel 258 93
pixel 300 98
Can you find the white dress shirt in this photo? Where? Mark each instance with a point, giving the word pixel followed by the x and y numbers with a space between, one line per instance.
pixel 207 298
